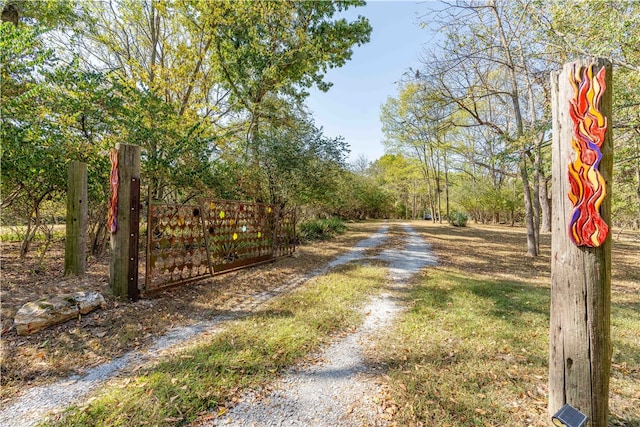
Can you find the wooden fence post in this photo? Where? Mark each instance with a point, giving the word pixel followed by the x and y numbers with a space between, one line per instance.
pixel 580 343
pixel 76 220
pixel 123 266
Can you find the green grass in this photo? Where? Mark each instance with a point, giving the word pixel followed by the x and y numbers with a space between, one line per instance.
pixel 16 233
pixel 473 351
pixel 469 352
pixel 245 355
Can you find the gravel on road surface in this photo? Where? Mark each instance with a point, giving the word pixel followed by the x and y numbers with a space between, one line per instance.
pixel 338 391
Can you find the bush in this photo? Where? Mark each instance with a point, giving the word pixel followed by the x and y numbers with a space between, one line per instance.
pixel 321 229
pixel 458 219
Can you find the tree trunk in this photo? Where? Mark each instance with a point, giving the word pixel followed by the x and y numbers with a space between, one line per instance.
pixel 532 244
pixel 580 344
pixel 446 186
pixel 536 198
pixel 530 220
pixel 545 204
pixel 638 179
pixel 33 224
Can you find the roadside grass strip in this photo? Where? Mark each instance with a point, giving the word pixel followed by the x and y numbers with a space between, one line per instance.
pixel 473 351
pixel 245 355
pixel 468 352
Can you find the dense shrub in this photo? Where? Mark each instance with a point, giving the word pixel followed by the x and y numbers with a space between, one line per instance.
pixel 321 229
pixel 458 219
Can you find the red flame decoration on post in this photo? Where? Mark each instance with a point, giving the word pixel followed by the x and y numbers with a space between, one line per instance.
pixel 588 187
pixel 112 216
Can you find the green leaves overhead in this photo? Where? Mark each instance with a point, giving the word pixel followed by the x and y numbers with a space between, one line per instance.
pixel 212 91
pixel 278 47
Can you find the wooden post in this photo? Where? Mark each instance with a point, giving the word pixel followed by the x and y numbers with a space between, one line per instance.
pixel 580 343
pixel 76 222
pixel 123 266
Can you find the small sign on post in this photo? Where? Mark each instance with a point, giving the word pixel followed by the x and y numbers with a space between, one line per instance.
pixel 582 162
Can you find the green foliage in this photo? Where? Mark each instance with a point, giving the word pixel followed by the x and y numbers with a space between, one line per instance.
pixel 458 219
pixel 403 180
pixel 486 203
pixel 298 163
pixel 210 91
pixel 321 229
pixel 46 121
pixel 279 48
pixel 358 197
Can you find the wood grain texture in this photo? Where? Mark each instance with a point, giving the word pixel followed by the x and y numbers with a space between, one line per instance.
pixel 580 344
pixel 76 220
pixel 129 167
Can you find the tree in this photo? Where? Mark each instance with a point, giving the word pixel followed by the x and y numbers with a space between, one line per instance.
pixel 42 125
pixel 201 77
pixel 489 71
pixel 569 30
pixel 299 163
pixel 418 124
pixel 267 50
pixel 159 58
pixel 401 177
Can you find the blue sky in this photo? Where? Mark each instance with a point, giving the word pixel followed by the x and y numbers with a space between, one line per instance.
pixel 351 107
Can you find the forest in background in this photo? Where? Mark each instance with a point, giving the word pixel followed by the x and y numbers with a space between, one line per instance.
pixel 214 93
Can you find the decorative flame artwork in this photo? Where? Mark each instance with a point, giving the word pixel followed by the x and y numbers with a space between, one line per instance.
pixel 112 216
pixel 588 187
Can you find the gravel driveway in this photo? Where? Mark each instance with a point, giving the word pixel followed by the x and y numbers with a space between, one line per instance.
pixel 328 394
pixel 337 391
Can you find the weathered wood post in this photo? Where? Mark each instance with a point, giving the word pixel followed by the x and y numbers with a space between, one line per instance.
pixel 580 344
pixel 76 222
pixel 124 220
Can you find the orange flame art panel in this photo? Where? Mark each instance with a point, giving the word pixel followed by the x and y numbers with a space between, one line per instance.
pixel 112 214
pixel 588 187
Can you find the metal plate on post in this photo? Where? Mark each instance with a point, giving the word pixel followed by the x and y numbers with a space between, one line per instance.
pixel 134 233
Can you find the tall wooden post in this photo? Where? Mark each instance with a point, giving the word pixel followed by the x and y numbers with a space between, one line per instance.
pixel 76 222
pixel 580 343
pixel 123 266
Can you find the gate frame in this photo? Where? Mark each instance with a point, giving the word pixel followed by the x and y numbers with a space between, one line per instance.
pixel 275 246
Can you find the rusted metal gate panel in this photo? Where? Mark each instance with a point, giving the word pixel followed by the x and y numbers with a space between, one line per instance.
pixel 176 246
pixel 239 233
pixel 285 236
pixel 190 242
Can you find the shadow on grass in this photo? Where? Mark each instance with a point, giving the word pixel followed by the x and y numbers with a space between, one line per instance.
pixel 511 299
pixel 508 299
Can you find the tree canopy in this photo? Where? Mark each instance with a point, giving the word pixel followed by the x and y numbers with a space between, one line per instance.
pixel 214 93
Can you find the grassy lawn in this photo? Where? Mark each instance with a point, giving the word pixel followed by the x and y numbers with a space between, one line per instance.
pixel 472 350
pixel 245 355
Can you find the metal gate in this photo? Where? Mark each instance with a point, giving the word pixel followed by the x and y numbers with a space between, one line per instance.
pixel 186 243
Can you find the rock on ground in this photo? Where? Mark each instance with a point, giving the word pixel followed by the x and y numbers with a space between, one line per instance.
pixel 45 312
